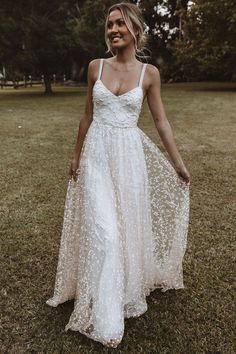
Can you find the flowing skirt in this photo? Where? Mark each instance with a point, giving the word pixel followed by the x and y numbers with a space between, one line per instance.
pixel 124 232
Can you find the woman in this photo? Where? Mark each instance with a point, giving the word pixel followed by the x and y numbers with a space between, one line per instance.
pixel 127 206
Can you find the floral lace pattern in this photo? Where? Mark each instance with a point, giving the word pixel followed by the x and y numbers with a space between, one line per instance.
pixel 125 222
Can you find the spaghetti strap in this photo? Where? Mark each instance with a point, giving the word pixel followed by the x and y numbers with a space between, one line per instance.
pixel 100 69
pixel 142 75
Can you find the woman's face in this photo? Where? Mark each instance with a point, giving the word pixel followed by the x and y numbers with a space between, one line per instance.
pixel 117 31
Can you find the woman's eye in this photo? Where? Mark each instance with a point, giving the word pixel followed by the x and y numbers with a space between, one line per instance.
pixel 121 23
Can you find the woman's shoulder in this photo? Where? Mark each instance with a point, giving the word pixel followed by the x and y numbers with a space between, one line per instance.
pixel 95 61
pixel 152 75
pixel 152 70
pixel 93 68
pixel 93 64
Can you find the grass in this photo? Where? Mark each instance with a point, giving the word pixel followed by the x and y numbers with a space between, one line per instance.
pixel 37 137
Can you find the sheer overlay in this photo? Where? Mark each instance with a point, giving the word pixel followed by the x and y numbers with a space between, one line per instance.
pixel 125 221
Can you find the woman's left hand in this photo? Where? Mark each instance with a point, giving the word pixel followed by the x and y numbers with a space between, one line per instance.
pixel 183 174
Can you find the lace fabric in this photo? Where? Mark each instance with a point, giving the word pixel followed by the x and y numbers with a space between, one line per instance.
pixel 125 222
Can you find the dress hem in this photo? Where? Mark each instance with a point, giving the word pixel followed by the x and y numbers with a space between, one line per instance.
pixel 53 302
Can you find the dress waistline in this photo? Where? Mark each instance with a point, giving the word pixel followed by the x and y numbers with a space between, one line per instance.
pixel 115 125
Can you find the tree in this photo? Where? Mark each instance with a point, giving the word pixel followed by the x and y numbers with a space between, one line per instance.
pixel 35 36
pixel 162 19
pixel 88 27
pixel 207 49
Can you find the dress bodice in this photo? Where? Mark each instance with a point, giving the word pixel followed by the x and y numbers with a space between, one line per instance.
pixel 117 110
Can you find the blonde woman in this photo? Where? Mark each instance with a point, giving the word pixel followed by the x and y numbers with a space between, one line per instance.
pixel 127 207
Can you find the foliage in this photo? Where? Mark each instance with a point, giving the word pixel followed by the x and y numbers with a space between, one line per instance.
pixel 207 50
pixel 162 19
pixel 35 36
pixel 88 29
pixel 62 36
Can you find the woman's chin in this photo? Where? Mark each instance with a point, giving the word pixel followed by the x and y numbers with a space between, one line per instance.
pixel 116 46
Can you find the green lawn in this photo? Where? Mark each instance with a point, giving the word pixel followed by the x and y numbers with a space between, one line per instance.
pixel 37 138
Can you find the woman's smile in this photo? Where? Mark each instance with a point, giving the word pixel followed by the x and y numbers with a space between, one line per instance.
pixel 115 38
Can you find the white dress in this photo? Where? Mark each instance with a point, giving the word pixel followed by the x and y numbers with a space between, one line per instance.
pixel 125 221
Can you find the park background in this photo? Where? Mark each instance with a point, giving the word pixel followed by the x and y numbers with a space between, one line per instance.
pixel 45 48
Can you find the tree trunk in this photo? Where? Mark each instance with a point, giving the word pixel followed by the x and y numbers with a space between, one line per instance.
pixel 48 86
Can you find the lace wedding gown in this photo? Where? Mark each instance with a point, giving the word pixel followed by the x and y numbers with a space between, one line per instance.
pixel 125 221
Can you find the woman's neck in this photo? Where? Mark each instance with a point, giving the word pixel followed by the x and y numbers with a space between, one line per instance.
pixel 126 55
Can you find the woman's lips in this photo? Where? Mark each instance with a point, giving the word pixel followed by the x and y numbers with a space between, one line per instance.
pixel 115 39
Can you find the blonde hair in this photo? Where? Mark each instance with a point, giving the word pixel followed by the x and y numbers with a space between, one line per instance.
pixel 133 19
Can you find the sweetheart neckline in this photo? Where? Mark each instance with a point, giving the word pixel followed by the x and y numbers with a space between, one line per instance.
pixel 123 94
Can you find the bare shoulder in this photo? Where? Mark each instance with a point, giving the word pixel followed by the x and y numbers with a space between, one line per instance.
pixel 153 75
pixel 93 69
pixel 94 63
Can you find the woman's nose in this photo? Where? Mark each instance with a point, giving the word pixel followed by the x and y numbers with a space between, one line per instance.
pixel 114 28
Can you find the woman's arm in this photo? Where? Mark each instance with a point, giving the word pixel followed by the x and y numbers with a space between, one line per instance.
pixel 86 119
pixel 161 122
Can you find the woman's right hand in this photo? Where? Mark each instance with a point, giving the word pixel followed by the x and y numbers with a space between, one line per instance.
pixel 184 174
pixel 74 169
